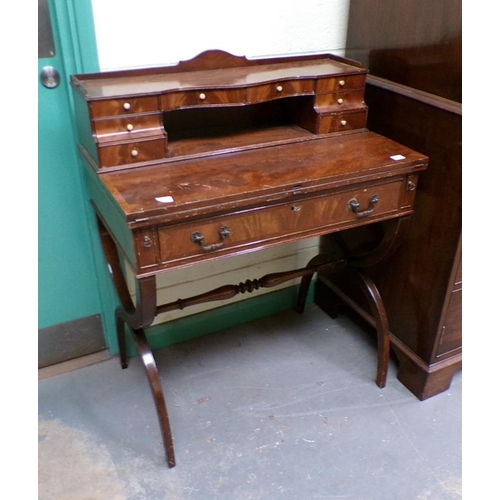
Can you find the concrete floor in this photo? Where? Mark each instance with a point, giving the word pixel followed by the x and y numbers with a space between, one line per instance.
pixel 281 408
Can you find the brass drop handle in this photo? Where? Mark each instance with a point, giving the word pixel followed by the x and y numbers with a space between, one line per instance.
pixel 353 205
pixel 197 237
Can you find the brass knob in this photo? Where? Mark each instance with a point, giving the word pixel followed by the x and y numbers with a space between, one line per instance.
pixel 126 106
pixel 343 123
pixel 279 88
pixel 342 83
pixel 202 96
pixel 147 242
pixel 130 127
pixel 340 101
pixel 134 152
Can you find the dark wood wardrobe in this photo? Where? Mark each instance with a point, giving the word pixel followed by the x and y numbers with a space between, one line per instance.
pixel 413 50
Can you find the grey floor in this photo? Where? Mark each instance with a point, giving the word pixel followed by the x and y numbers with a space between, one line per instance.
pixel 281 408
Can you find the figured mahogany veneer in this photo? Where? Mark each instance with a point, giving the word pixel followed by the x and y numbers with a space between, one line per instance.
pixel 266 196
pixel 220 156
pixel 123 108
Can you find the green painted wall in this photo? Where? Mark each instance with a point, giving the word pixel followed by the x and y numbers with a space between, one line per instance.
pixel 68 285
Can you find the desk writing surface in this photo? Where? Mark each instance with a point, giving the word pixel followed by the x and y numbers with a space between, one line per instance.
pixel 246 177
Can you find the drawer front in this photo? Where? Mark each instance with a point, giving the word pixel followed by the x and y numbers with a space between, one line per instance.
pixel 209 97
pixel 280 89
pixel 134 152
pixel 113 107
pixel 340 122
pixel 128 126
pixel 351 82
pixel 341 100
pixel 282 222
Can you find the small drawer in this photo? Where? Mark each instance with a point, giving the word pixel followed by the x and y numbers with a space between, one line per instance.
pixel 133 152
pixel 128 126
pixel 279 89
pixel 340 100
pixel 348 82
pixel 201 239
pixel 210 97
pixel 113 107
pixel 340 122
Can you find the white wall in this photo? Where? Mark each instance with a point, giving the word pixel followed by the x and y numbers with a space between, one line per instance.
pixel 133 33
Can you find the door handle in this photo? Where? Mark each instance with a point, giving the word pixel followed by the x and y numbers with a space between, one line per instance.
pixel 50 77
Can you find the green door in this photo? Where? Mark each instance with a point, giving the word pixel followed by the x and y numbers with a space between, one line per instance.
pixel 70 298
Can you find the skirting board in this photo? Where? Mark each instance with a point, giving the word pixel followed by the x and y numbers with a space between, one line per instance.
pixel 70 340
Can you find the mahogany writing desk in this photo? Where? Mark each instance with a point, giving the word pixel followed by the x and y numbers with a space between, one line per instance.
pixel 222 155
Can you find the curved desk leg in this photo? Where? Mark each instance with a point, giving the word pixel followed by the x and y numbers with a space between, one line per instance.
pixel 372 294
pixel 383 249
pixel 157 392
pixel 370 291
pixel 138 317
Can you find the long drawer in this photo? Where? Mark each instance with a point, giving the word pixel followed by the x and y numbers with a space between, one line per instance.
pixel 172 245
